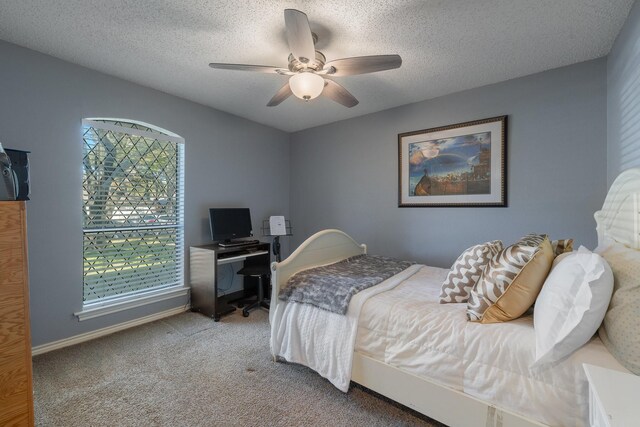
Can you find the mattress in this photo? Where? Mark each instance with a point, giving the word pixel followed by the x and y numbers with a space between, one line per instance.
pixel 407 328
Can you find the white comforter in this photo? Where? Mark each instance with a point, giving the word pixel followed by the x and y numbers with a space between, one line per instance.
pixel 401 323
pixel 407 328
pixel 320 339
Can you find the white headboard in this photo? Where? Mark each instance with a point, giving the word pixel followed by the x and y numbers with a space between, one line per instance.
pixel 619 218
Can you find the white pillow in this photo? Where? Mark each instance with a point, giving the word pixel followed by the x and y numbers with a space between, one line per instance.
pixel 571 305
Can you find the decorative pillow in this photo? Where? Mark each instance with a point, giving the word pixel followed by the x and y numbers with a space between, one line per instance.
pixel 466 271
pixel 571 305
pixel 619 331
pixel 511 281
pixel 562 246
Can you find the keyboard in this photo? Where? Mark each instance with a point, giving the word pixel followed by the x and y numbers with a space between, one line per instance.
pixel 236 244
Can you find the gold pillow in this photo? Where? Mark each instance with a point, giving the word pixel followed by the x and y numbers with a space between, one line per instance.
pixel 511 281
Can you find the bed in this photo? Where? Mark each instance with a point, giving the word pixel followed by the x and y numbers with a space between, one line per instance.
pixel 425 355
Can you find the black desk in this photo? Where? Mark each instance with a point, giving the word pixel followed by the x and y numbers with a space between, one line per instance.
pixel 204 262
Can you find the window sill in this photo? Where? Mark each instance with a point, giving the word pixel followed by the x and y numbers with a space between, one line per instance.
pixel 89 311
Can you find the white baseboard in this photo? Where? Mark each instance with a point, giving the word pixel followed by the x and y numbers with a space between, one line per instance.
pixel 77 339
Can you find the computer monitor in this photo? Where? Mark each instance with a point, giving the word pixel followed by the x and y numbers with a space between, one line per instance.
pixel 230 223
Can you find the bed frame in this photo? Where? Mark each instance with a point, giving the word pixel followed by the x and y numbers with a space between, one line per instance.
pixel 619 220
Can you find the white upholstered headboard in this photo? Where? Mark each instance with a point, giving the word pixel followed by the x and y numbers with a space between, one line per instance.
pixel 619 218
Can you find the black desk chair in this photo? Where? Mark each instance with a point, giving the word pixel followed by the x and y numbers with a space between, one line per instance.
pixel 261 272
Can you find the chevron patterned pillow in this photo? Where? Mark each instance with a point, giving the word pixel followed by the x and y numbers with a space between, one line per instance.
pixel 466 271
pixel 511 281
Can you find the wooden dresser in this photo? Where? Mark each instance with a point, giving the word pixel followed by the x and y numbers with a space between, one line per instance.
pixel 16 392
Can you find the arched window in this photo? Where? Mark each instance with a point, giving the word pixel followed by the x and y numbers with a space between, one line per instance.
pixel 133 204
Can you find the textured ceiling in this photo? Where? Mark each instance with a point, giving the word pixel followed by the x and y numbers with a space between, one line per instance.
pixel 446 45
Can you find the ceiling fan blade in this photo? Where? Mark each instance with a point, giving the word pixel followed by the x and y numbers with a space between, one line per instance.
pixel 339 94
pixel 299 35
pixel 244 67
pixel 281 95
pixel 362 65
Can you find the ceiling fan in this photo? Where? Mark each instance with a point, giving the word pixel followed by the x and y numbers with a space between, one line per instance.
pixel 310 73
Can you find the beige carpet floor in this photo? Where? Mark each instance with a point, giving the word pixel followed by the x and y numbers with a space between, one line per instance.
pixel 187 370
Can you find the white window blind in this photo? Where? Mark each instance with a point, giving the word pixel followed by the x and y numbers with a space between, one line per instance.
pixel 133 204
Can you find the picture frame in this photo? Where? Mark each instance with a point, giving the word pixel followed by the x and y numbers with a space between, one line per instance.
pixel 460 165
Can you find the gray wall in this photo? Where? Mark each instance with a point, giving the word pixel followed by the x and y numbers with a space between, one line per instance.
pixel 344 175
pixel 230 161
pixel 623 98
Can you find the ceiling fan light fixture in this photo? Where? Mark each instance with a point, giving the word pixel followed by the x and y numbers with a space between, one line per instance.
pixel 308 66
pixel 306 85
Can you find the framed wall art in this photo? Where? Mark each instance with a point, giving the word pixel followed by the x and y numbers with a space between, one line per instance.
pixel 458 165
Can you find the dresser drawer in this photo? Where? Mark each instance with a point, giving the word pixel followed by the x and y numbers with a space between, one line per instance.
pixel 16 394
pixel 13 331
pixel 11 233
pixel 15 390
pixel 12 266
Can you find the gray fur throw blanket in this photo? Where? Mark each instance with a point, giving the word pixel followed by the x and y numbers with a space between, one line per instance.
pixel 331 287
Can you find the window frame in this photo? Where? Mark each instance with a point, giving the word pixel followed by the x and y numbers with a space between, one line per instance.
pixel 116 303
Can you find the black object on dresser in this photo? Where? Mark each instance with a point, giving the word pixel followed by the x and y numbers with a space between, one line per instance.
pixel 205 261
pixel 20 166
